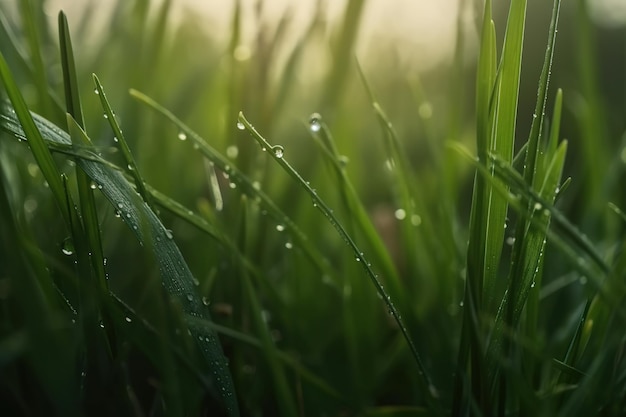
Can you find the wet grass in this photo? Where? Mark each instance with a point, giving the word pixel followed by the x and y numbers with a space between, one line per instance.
pixel 216 236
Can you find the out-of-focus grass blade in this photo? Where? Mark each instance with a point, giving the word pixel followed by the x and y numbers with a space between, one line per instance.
pixel 284 397
pixel 287 359
pixel 176 276
pixel 35 296
pixel 342 55
pixel 33 23
pixel 408 195
pixel 277 153
pixel 40 151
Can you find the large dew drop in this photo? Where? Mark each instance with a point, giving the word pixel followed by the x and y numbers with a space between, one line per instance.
pixel 67 247
pixel 278 151
pixel 315 123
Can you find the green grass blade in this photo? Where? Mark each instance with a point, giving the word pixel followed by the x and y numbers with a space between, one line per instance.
pixel 76 122
pixel 33 22
pixel 37 144
pixel 355 209
pixel 119 138
pixel 277 153
pixel 477 283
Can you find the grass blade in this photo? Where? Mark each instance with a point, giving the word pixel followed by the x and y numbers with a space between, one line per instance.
pixel 277 153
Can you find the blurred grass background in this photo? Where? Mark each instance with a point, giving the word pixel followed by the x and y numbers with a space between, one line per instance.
pixel 279 71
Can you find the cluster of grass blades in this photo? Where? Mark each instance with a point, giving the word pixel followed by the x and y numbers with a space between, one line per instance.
pixel 292 277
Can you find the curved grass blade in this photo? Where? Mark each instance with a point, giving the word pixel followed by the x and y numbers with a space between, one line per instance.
pixel 151 233
pixel 277 153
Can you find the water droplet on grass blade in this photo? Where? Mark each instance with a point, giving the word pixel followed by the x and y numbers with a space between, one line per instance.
pixel 315 122
pixel 278 151
pixel 128 319
pixel 400 214
pixel 182 136
pixel 280 227
pixel 67 247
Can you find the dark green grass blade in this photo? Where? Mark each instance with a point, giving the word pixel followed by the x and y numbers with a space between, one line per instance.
pixel 284 396
pixel 32 18
pixel 287 359
pixel 37 144
pixel 151 233
pixel 38 305
pixel 277 153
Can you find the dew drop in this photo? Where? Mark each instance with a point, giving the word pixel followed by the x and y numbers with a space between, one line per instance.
pixel 120 205
pixel 232 152
pixel 425 110
pixel 289 245
pixel 510 240
pixel 538 206
pixel 128 319
pixel 105 116
pixel 189 297
pixel 240 125
pixel 278 151
pixel 280 227
pixel 182 136
pixel 93 186
pixel 532 285
pixel 416 220
pixel 400 214
pixel 315 123
pixel 67 247
pixel 169 234
pixel 206 301
pixel 96 92
pixel 115 139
